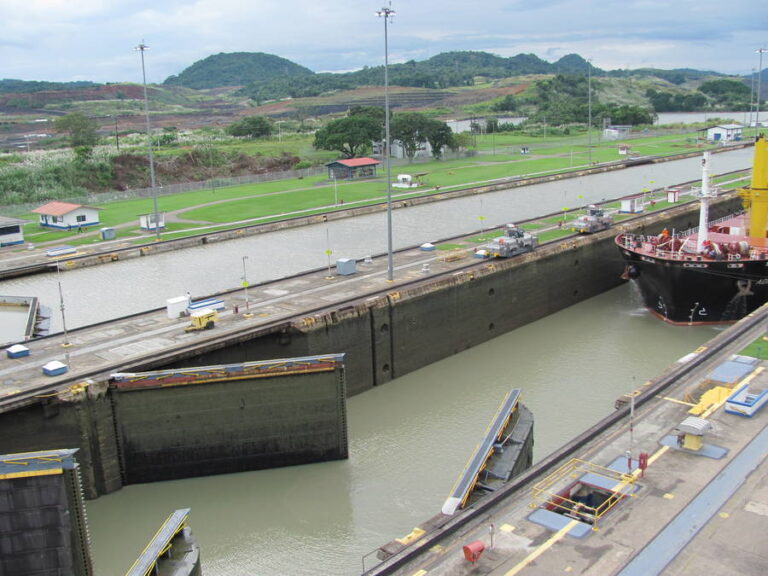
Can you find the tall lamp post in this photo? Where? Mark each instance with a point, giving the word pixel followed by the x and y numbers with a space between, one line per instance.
pixel 141 48
pixel 387 13
pixel 245 290
pixel 760 51
pixel 589 109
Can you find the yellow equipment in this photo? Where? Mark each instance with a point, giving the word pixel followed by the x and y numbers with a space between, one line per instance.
pixel 756 196
pixel 204 319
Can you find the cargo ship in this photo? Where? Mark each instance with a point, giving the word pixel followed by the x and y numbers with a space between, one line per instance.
pixel 715 273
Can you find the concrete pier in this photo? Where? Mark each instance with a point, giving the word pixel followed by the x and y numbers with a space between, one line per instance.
pixel 675 510
pixel 43 526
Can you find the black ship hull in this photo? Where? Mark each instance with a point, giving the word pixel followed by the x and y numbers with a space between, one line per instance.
pixel 696 292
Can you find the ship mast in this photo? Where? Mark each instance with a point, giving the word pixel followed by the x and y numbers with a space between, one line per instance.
pixel 704 195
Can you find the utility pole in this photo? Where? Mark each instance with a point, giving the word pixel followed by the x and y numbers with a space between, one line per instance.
pixel 589 109
pixel 387 13
pixel 141 48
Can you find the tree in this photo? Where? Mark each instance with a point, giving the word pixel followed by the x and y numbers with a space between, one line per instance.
pixel 408 128
pixel 251 127
pixel 628 115
pixel 439 135
pixel 375 112
pixel 348 135
pixel 81 129
pixel 412 130
pixel 506 104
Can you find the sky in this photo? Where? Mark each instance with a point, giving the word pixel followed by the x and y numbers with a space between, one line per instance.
pixel 68 40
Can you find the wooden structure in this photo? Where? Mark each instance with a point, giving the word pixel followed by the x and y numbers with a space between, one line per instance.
pixel 352 168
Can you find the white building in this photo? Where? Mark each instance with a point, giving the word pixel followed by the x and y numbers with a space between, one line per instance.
pixel 66 216
pixel 724 133
pixel 147 221
pixel 10 231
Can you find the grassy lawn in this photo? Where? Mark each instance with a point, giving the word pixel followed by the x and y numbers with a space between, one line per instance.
pixel 269 200
pixel 757 349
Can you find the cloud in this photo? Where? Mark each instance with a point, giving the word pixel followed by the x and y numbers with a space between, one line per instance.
pixel 94 39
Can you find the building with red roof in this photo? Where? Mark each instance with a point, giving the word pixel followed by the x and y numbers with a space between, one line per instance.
pixel 66 216
pixel 352 168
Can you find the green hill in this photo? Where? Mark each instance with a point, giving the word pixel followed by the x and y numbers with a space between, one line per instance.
pixel 236 69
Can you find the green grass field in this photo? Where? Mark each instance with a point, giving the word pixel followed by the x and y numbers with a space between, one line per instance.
pixel 273 200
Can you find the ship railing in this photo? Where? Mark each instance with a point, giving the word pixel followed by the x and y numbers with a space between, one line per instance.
pixel 695 229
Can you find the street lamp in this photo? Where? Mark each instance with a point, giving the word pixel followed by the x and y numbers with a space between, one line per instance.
pixel 141 48
pixel 387 13
pixel 66 343
pixel 589 109
pixel 245 290
pixel 760 51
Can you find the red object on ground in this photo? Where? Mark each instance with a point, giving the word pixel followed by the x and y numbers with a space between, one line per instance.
pixel 473 550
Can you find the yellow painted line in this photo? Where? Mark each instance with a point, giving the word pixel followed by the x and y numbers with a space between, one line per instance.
pixel 30 474
pixel 668 496
pixel 658 454
pixel 676 401
pixel 556 537
pixel 419 573
pixel 506 528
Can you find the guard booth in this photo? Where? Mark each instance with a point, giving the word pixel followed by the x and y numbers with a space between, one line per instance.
pixel 690 433
pixel 152 221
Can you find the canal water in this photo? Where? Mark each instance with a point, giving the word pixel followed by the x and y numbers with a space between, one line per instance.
pixel 103 292
pixel 409 440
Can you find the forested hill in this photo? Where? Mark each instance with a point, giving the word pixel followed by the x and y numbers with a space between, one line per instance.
pixel 11 86
pixel 441 71
pixel 237 69
pixel 444 71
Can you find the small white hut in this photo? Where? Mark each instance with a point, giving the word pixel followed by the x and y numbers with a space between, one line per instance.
pixel 10 231
pixel 66 216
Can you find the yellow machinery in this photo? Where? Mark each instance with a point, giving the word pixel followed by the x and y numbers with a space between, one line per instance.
pixel 204 319
pixel 756 196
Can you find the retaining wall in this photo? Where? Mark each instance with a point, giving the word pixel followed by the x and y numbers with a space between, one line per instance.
pixel 127 437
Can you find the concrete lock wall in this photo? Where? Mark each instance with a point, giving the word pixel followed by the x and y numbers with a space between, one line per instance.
pixel 202 429
pixel 83 422
pixel 412 327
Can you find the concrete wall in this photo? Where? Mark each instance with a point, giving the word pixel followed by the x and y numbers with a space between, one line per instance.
pixel 232 426
pixel 195 430
pixel 42 526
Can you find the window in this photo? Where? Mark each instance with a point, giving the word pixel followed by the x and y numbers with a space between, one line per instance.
pixel 81 218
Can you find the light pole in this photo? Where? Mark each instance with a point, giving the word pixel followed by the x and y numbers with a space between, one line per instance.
pixel 760 51
pixel 245 290
pixel 589 109
pixel 387 13
pixel 66 343
pixel 141 48
pixel 751 97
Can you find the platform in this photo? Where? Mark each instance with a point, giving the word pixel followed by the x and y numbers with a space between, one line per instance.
pixel 684 514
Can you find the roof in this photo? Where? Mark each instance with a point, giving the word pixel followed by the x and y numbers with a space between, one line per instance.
pixel 726 126
pixel 355 162
pixel 6 221
pixel 57 208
